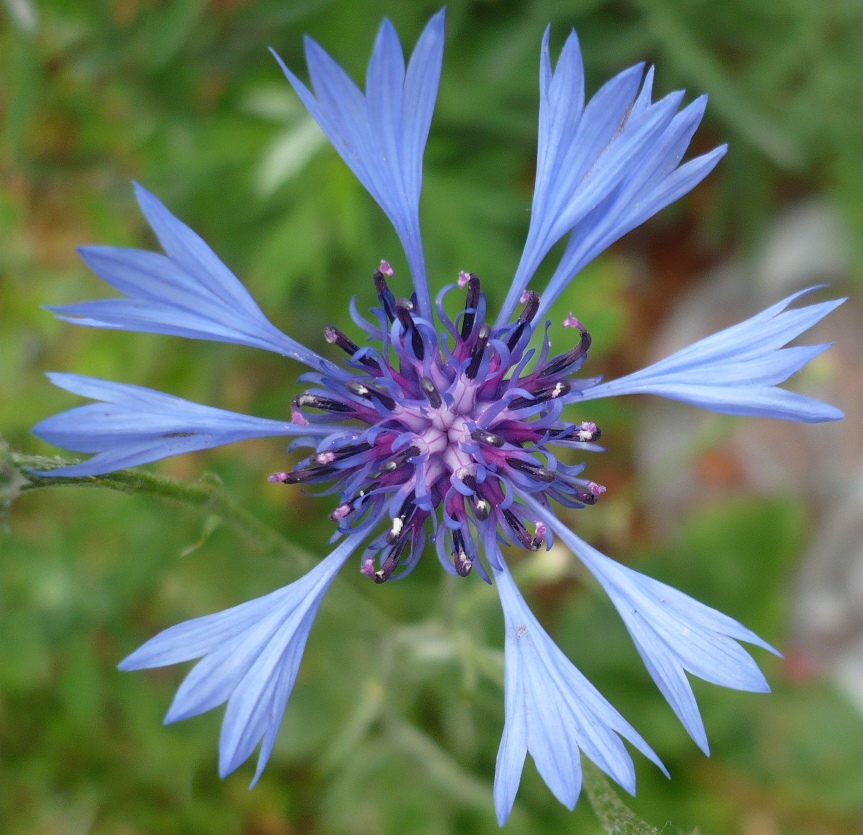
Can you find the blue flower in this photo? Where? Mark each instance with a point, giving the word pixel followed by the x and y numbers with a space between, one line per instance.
pixel 445 430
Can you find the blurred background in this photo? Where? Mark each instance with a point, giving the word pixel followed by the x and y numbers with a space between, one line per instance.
pixel 396 717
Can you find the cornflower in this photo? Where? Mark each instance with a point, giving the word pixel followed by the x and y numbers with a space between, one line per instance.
pixel 445 430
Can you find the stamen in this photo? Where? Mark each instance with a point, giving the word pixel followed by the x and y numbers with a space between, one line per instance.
pixel 481 509
pixel 541 395
pixel 463 564
pixel 387 299
pixel 530 300
pixel 431 392
pixel 483 436
pixel 468 479
pixel 472 300
pixel 583 432
pixel 326 404
pixel 341 453
pixel 406 511
pixel 342 512
pixel 309 473
pixel 460 559
pixel 391 562
pixel 532 469
pixel 519 530
pixel 588 431
pixel 589 494
pixel 358 389
pixel 403 314
pixel 563 361
pixel 540 530
pixel 478 351
pixel 400 459
pixel 335 337
pixel 362 390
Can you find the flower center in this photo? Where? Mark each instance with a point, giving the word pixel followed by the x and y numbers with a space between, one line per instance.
pixel 444 426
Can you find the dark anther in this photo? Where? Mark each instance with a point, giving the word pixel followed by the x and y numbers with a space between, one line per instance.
pixel 532 469
pixel 359 389
pixel 584 432
pixel 400 459
pixel 326 404
pixel 541 395
pixel 401 519
pixel 515 336
pixel 364 491
pixel 343 452
pixel 572 356
pixel 386 401
pixel 313 472
pixel 478 351
pixel 403 314
pixel 368 393
pixel 585 496
pixel 387 299
pixel 519 530
pixel 470 304
pixel 431 392
pixel 481 508
pixel 531 305
pixel 391 561
pixel 335 337
pixel 460 559
pixel 482 436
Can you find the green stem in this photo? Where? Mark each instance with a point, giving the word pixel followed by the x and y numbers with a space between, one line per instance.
pixel 207 494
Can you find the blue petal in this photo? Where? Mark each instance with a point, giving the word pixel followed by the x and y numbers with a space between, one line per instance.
pixel 188 292
pixel 736 371
pixel 250 658
pixel 132 425
pixel 552 711
pixel 602 169
pixel 382 135
pixel 674 633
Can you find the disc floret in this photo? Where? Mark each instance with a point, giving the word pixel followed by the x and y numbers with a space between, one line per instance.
pixel 443 427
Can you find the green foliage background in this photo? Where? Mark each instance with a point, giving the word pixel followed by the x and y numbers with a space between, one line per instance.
pixel 395 720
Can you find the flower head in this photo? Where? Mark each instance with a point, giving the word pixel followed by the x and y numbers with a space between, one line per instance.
pixel 444 430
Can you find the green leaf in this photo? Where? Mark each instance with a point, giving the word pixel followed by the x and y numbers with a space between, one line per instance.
pixel 12 484
pixel 616 818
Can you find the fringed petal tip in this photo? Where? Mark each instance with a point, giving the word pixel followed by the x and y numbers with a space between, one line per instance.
pixel 186 292
pixel 553 712
pixel 249 657
pixel 674 634
pixel 738 370
pixel 602 168
pixel 381 134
